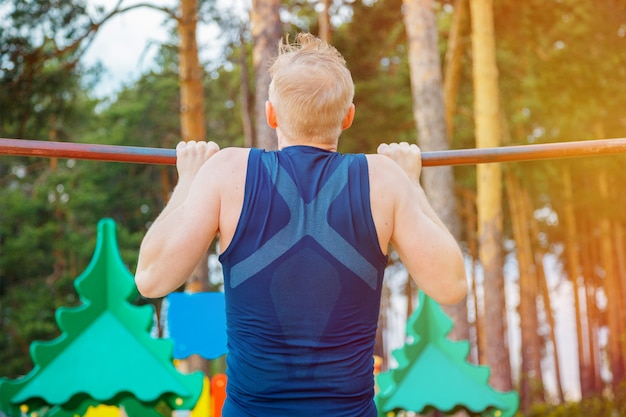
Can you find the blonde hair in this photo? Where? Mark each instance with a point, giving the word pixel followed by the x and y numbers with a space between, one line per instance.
pixel 311 89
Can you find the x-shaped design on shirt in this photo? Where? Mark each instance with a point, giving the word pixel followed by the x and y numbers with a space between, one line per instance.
pixel 305 220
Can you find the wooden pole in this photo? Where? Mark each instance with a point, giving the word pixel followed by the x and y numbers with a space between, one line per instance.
pixel 143 155
pixel 108 153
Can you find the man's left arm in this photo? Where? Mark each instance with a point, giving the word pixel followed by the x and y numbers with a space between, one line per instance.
pixel 181 234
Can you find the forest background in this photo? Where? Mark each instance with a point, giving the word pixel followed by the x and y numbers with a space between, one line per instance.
pixel 560 72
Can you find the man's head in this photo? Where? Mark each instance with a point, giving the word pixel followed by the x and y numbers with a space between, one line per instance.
pixel 311 91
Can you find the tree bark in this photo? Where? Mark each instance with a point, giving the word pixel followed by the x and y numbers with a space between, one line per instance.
pixel 323 19
pixel 381 330
pixel 429 114
pixel 619 239
pixel 452 72
pixel 588 259
pixel 266 33
pixel 192 119
pixel 612 287
pixel 489 191
pixel 469 212
pixel 246 118
pixel 547 302
pixel 573 270
pixel 530 372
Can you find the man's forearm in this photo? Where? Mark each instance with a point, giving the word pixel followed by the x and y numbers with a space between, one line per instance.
pixel 155 233
pixel 426 207
pixel 149 264
pixel 178 197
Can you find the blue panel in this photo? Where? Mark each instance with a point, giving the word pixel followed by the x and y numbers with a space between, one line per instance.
pixel 197 324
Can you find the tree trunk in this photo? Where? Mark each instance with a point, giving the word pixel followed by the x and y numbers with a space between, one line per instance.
pixel 572 268
pixel 530 372
pixel 489 191
pixel 619 239
pixel 469 211
pixel 547 303
pixel 410 291
pixel 429 114
pixel 612 287
pixel 246 118
pixel 192 119
pixel 588 259
pixel 452 74
pixel 381 330
pixel 266 33
pixel 323 19
pixel 192 124
pixel 544 292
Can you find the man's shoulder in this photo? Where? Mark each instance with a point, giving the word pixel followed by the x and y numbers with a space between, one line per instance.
pixel 387 180
pixel 382 168
pixel 233 155
pixel 226 166
pixel 376 158
pixel 228 160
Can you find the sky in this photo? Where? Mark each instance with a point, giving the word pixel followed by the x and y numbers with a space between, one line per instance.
pixel 126 44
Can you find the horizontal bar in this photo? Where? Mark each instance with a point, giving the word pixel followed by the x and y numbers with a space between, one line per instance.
pixel 107 153
pixel 535 152
pixel 143 155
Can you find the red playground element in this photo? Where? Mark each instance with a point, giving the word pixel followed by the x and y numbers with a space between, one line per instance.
pixel 218 394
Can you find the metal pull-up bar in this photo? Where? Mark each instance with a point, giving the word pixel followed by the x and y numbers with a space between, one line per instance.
pixel 143 155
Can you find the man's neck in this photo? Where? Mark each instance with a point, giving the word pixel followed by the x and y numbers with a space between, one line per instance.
pixel 283 143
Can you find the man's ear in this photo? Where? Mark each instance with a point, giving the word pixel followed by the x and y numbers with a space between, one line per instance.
pixel 270 115
pixel 347 121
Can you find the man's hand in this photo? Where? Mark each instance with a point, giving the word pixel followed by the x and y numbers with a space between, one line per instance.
pixel 190 156
pixel 409 157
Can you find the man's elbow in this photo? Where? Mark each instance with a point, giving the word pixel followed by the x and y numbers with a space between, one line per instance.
pixel 461 286
pixel 454 294
pixel 457 288
pixel 458 291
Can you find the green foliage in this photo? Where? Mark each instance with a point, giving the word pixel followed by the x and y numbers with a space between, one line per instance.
pixel 223 103
pixel 597 406
pixel 377 58
pixel 561 79
pixel 46 232
pixel 40 69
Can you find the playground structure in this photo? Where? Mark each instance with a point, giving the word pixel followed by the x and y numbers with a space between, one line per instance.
pixel 105 354
pixel 432 372
pixel 105 357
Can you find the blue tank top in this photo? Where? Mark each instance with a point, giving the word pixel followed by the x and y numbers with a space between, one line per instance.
pixel 302 279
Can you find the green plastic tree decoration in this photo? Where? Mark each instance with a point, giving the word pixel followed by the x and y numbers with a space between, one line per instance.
pixel 432 372
pixel 105 354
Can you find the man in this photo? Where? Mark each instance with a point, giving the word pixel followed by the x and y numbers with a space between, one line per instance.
pixel 304 233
